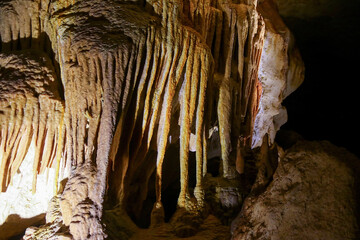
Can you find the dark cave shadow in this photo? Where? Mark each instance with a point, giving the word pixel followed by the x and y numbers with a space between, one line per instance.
pixel 42 44
pixel 171 186
pixel 14 226
pixel 322 108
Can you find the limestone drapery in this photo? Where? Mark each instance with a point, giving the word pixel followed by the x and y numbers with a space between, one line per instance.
pixel 134 75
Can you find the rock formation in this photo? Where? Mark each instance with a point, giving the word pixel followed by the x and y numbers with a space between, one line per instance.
pixel 313 195
pixel 101 90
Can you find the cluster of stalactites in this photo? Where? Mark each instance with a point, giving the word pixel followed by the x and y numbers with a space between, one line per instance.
pixel 234 32
pixel 169 54
pixel 31 106
pixel 164 71
pixel 132 79
pixel 30 112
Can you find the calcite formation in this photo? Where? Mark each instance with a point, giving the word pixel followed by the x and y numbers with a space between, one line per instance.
pixel 31 110
pixel 105 87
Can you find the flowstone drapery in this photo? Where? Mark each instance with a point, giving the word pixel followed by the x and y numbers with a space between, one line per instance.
pixel 105 87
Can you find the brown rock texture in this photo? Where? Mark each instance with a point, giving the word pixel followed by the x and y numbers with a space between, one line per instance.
pixel 108 86
pixel 313 195
pixel 30 109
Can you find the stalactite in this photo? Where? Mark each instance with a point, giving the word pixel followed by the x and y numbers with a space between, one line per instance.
pixel 145 72
pixel 224 115
pixel 60 141
pixel 200 131
pixel 156 65
pixel 185 135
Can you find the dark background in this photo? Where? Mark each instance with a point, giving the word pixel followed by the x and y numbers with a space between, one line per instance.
pixel 326 106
